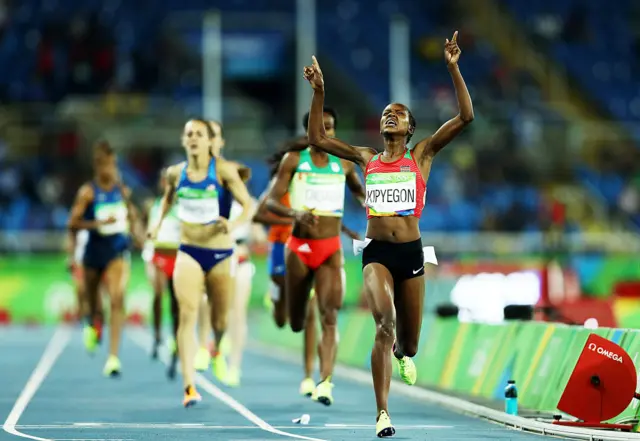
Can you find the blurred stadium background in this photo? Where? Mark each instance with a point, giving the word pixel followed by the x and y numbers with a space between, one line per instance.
pixel 536 203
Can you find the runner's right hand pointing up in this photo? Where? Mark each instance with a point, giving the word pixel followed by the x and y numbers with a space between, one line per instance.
pixel 313 75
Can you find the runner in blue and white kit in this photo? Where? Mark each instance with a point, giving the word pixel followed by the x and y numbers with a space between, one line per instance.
pixel 103 207
pixel 232 346
pixel 204 187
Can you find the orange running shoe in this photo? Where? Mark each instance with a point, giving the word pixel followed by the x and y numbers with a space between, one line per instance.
pixel 191 396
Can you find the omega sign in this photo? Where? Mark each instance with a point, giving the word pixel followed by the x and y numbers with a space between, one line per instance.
pixel 600 350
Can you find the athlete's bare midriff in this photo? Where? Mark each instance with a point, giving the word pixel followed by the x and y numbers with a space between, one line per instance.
pixel 205 236
pixel 327 227
pixel 394 229
pixel 166 251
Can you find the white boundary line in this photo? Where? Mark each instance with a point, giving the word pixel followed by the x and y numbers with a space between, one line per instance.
pixel 457 405
pixel 54 349
pixel 202 426
pixel 143 340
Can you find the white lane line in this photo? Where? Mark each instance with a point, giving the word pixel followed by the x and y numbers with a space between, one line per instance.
pixel 202 426
pixel 143 339
pixel 371 426
pixel 51 353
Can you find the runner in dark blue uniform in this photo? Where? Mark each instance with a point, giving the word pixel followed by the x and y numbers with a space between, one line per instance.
pixel 103 207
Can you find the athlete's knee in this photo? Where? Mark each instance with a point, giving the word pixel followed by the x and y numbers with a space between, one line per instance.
pixel 329 317
pixel 297 312
pixel 385 334
pixel 219 323
pixel 280 317
pixel 385 326
pixel 219 320
pixel 158 287
pixel 297 324
pixel 117 301
pixel 187 305
pixel 311 309
pixel 410 349
pixel 187 315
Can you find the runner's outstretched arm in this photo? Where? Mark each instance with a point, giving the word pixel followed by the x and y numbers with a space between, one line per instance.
pixel 317 135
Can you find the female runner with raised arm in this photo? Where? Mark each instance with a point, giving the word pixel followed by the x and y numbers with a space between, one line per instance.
pixel 392 259
pixel 204 187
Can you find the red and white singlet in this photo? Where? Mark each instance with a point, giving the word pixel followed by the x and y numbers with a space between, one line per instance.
pixel 394 188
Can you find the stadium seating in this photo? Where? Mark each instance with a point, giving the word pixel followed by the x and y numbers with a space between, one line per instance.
pixel 354 35
pixel 605 65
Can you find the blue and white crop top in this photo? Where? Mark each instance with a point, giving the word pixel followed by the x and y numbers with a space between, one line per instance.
pixel 205 201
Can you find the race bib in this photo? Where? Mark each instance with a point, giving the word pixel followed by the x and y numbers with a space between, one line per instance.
pixel 198 206
pixel 117 210
pixel 322 193
pixel 391 194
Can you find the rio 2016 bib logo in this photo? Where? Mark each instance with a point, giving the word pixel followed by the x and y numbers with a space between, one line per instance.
pixel 602 351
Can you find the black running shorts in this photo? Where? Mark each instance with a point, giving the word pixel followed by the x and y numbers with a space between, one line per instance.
pixel 403 260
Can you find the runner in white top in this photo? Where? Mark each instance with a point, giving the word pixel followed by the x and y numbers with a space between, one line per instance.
pixel 160 257
pixel 245 236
